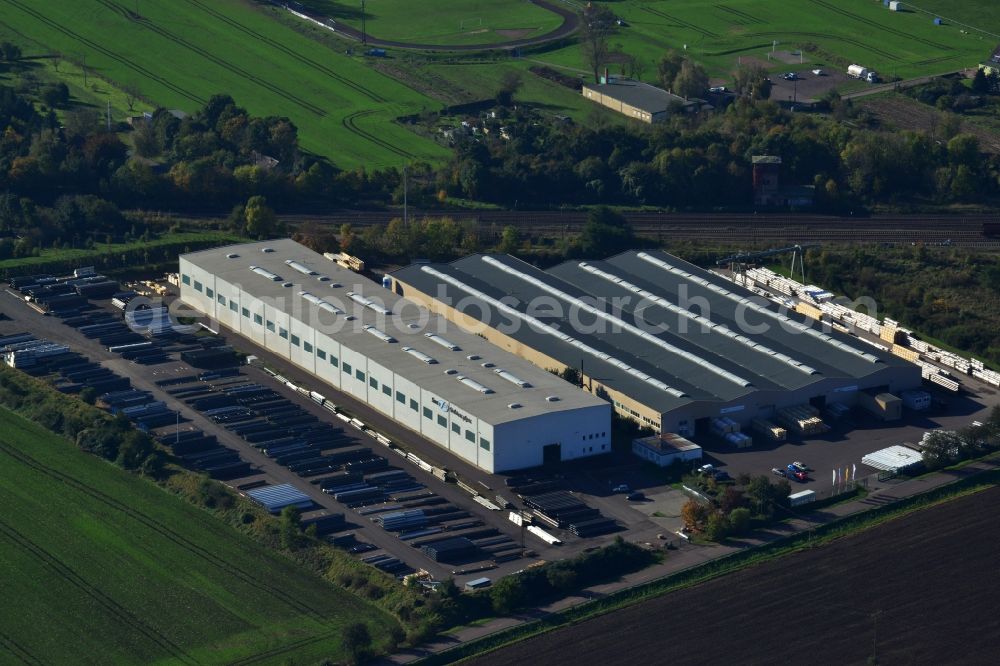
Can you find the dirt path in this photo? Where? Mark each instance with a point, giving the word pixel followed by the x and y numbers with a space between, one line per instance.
pixel 570 24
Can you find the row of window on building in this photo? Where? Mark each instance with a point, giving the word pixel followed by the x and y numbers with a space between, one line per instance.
pixel 335 362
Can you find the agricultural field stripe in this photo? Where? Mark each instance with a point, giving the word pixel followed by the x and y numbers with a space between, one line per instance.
pixel 107 52
pixel 686 24
pixel 899 33
pixel 739 14
pixel 18 651
pixel 822 35
pixel 250 578
pixel 269 655
pixel 318 66
pixel 235 69
pixel 349 124
pixel 120 613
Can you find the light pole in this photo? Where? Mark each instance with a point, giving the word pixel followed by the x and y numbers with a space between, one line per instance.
pixel 364 37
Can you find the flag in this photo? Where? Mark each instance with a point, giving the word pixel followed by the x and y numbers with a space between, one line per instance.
pixel 834 480
pixel 854 475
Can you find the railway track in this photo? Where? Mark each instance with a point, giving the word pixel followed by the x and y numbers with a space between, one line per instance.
pixel 718 229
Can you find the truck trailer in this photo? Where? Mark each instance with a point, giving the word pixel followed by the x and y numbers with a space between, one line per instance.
pixel 863 73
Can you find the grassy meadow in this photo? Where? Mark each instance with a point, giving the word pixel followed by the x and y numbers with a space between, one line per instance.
pixel 103 567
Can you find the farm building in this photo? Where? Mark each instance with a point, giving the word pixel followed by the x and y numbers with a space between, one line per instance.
pixel 680 347
pixel 485 405
pixel 639 100
pixel 665 448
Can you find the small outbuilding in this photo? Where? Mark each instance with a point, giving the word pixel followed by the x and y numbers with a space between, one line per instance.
pixel 895 458
pixel 665 448
pixel 276 498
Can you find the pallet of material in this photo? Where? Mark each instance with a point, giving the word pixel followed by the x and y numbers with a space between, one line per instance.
pixel 809 310
pixel 905 352
pixel 772 431
pixel 802 419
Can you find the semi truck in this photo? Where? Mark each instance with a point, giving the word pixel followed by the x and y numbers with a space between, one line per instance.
pixel 863 73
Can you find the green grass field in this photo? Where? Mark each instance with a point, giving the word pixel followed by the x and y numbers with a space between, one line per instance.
pixel 180 52
pixel 444 22
pixel 718 33
pixel 101 567
pixel 83 255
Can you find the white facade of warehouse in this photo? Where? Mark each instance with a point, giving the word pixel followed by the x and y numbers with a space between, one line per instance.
pixel 506 427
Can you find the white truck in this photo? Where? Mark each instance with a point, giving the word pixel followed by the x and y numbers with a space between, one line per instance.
pixel 863 73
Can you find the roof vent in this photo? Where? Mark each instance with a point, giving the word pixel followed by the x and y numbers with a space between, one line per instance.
pixel 473 357
pixel 287 284
pixel 335 285
pixel 450 371
pixel 488 364
pixel 350 317
pixel 552 398
pixel 514 405
pixel 266 250
pixel 323 278
pixel 232 255
pixel 412 326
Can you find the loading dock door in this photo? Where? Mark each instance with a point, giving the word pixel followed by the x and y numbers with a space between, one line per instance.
pixel 819 402
pixel 551 454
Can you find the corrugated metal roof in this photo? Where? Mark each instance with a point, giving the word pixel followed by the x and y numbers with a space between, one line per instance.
pixel 276 498
pixel 721 356
pixel 893 458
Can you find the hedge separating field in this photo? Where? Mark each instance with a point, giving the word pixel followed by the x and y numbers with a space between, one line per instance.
pixel 114 257
pixel 698 574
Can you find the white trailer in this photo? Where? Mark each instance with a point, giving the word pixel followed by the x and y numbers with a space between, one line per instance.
pixel 863 73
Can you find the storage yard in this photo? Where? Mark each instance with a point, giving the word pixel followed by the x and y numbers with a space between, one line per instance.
pixel 821 601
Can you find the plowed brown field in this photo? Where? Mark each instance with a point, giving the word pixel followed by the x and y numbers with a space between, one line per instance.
pixel 929 577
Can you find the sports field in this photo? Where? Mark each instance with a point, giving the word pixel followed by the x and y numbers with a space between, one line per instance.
pixel 446 22
pixel 833 33
pixel 181 52
pixel 101 567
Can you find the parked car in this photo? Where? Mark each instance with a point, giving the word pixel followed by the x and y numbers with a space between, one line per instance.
pixel 800 466
pixel 362 548
pixel 707 469
pixel 636 497
pixel 789 76
pixel 717 89
pixel 721 475
pixel 819 72
pixel 801 477
pixel 621 488
pixel 778 471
